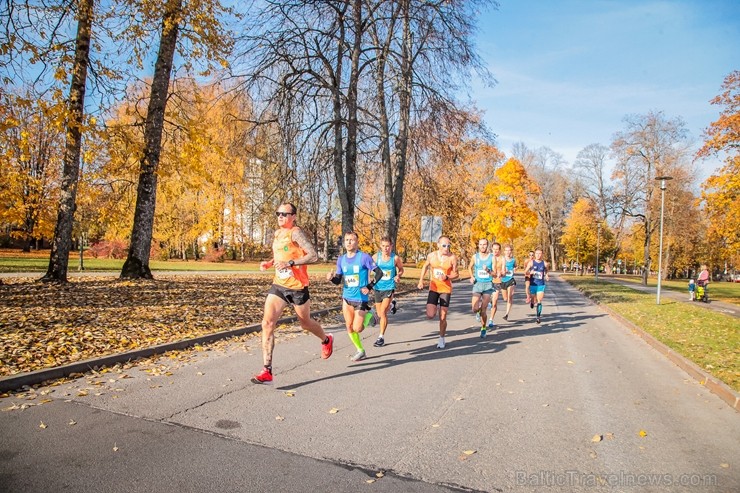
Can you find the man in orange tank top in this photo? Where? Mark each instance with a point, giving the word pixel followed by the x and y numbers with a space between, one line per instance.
pixel 442 266
pixel 292 251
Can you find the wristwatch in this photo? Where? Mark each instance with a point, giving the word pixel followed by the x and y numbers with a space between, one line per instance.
pixel 291 263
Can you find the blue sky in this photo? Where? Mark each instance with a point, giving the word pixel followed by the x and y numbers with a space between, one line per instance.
pixel 568 71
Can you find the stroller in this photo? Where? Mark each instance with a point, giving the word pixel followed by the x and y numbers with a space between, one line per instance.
pixel 701 291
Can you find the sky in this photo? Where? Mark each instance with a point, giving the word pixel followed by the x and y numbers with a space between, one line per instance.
pixel 569 71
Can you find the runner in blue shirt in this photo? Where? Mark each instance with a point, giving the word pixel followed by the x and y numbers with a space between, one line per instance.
pixel 353 271
pixel 538 277
pixel 392 268
pixel 481 277
pixel 507 279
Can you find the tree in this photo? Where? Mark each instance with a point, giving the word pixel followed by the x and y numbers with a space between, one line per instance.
pixel 721 191
pixel 505 212
pixel 586 233
pixel 62 242
pixel 30 162
pixel 651 145
pixel 205 37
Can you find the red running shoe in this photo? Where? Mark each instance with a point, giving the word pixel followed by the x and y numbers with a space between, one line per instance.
pixel 264 377
pixel 328 348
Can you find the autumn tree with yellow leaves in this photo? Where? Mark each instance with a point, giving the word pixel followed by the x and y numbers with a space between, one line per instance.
pixel 506 212
pixel 721 191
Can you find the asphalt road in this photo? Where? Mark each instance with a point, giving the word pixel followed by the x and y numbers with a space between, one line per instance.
pixel 517 411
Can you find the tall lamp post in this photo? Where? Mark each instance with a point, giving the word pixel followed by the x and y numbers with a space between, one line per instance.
pixel 662 180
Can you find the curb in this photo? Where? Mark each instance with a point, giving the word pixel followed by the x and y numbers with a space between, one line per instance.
pixel 21 380
pixel 715 386
pixel 18 381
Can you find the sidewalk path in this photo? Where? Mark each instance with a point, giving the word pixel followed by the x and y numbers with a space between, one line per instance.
pixel 716 306
pixel 517 411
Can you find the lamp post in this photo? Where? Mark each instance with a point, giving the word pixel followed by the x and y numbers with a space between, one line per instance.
pixel 662 180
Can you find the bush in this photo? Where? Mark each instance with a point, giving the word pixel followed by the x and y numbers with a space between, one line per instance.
pixel 215 255
pixel 117 249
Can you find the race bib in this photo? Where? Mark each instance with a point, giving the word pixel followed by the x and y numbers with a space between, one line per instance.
pixel 439 274
pixel 386 275
pixel 537 275
pixel 509 273
pixel 352 280
pixel 483 274
pixel 284 273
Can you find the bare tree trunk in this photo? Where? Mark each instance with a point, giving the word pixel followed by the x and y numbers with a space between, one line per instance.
pixel 137 263
pixel 62 242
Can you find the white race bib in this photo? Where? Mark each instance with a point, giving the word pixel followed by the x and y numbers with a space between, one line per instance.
pixel 284 273
pixel 509 273
pixel 483 274
pixel 352 280
pixel 537 274
pixel 386 275
pixel 439 274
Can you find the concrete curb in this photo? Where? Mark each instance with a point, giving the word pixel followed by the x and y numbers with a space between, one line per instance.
pixel 21 380
pixel 18 381
pixel 717 387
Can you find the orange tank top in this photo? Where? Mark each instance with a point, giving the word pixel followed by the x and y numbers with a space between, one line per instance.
pixel 283 250
pixel 441 268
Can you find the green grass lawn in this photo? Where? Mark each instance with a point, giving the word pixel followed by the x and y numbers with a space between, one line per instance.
pixel 720 290
pixel 37 263
pixel 709 339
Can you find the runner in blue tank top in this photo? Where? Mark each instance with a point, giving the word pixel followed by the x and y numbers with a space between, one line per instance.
pixel 353 271
pixel 507 279
pixel 481 277
pixel 538 277
pixel 392 268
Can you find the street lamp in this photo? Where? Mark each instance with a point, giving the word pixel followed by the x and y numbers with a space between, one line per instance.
pixel 662 180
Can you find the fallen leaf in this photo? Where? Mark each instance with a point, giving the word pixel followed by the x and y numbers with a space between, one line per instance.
pixel 290 393
pixel 596 438
pixel 82 393
pixel 380 474
pixel 279 418
pixel 369 481
pixel 724 465
pixel 72 422
pixel 115 447
pixel 570 362
pixel 470 452
pixel 435 425
pixel 643 433
pixel 333 410
pixel 43 426
pixel 610 436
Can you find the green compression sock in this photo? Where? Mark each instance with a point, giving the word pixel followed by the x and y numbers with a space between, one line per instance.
pixel 539 309
pixel 356 340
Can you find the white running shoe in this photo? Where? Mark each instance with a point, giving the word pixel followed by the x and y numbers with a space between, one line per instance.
pixel 441 343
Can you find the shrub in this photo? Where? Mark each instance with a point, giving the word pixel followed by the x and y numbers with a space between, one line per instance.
pixel 215 255
pixel 117 249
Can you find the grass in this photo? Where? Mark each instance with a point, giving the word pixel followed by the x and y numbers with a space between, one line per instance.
pixel 709 339
pixel 721 291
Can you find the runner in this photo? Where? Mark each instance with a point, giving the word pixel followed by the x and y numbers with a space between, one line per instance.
pixel 507 280
pixel 442 266
pixel 527 265
pixel 538 271
pixel 498 269
pixel 392 268
pixel 480 268
pixel 353 269
pixel 291 252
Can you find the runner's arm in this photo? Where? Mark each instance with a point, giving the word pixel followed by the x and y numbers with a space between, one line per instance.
pixel 300 237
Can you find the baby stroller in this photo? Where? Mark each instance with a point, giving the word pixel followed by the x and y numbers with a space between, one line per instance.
pixel 701 291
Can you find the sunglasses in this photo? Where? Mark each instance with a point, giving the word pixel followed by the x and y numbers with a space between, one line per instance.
pixel 283 214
